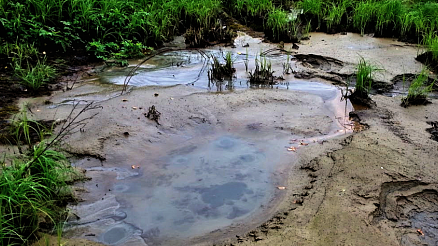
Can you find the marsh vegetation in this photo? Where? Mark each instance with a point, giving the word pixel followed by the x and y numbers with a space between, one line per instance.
pixel 34 186
pixel 220 71
pixel 419 90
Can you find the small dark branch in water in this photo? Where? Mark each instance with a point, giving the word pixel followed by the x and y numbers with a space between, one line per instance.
pixel 67 88
pixel 153 114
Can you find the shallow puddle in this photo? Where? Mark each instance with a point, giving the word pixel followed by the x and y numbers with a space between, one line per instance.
pixel 208 183
pixel 197 188
pixel 188 187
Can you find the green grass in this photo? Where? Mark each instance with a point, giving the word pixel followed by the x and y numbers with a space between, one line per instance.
pixel 263 74
pixel 419 89
pixel 364 77
pixel 388 14
pixel 335 13
pixel 34 77
pixel 430 42
pixel 34 186
pixel 313 7
pixel 30 189
pixel 278 22
pixel 364 13
pixel 57 26
pixel 221 71
pixel 76 23
pixel 23 129
pixel 252 8
pixel 283 25
pixel 19 52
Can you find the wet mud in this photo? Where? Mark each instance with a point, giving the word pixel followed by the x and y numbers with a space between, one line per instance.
pixel 427 59
pixel 433 130
pixel 229 164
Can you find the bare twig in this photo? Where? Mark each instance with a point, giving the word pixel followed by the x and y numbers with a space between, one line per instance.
pixel 159 52
pixel 69 126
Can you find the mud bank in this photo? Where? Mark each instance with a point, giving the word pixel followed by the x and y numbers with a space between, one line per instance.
pixel 205 144
pixel 372 187
pixel 379 189
pixel 389 55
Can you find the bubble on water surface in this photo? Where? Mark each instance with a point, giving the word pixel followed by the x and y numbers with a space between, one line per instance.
pixel 120 188
pixel 118 234
pixel 225 142
pixel 247 158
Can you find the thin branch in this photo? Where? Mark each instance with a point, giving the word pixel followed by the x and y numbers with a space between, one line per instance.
pixel 159 52
pixel 69 125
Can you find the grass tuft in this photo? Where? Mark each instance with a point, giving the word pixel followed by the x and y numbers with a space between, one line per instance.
pixel 35 77
pixel 364 78
pixel 263 75
pixel 29 191
pixel 418 90
pixel 221 71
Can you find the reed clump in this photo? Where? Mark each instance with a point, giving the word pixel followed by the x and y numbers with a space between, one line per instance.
pixel 220 71
pixel 34 186
pixel 419 90
pixel 263 74
pixel 364 79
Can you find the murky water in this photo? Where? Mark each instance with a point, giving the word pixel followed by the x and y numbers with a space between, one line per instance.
pixel 191 67
pixel 206 182
pixel 192 187
pixel 198 188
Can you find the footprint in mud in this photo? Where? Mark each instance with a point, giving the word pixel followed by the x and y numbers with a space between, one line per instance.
pixel 410 204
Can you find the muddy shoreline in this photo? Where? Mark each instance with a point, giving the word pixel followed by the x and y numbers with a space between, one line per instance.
pixel 371 191
pixel 356 189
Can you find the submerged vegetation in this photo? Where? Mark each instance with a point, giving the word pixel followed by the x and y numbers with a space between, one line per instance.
pixel 221 71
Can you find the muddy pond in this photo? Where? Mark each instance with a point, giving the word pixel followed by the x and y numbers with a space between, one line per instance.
pixel 219 159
